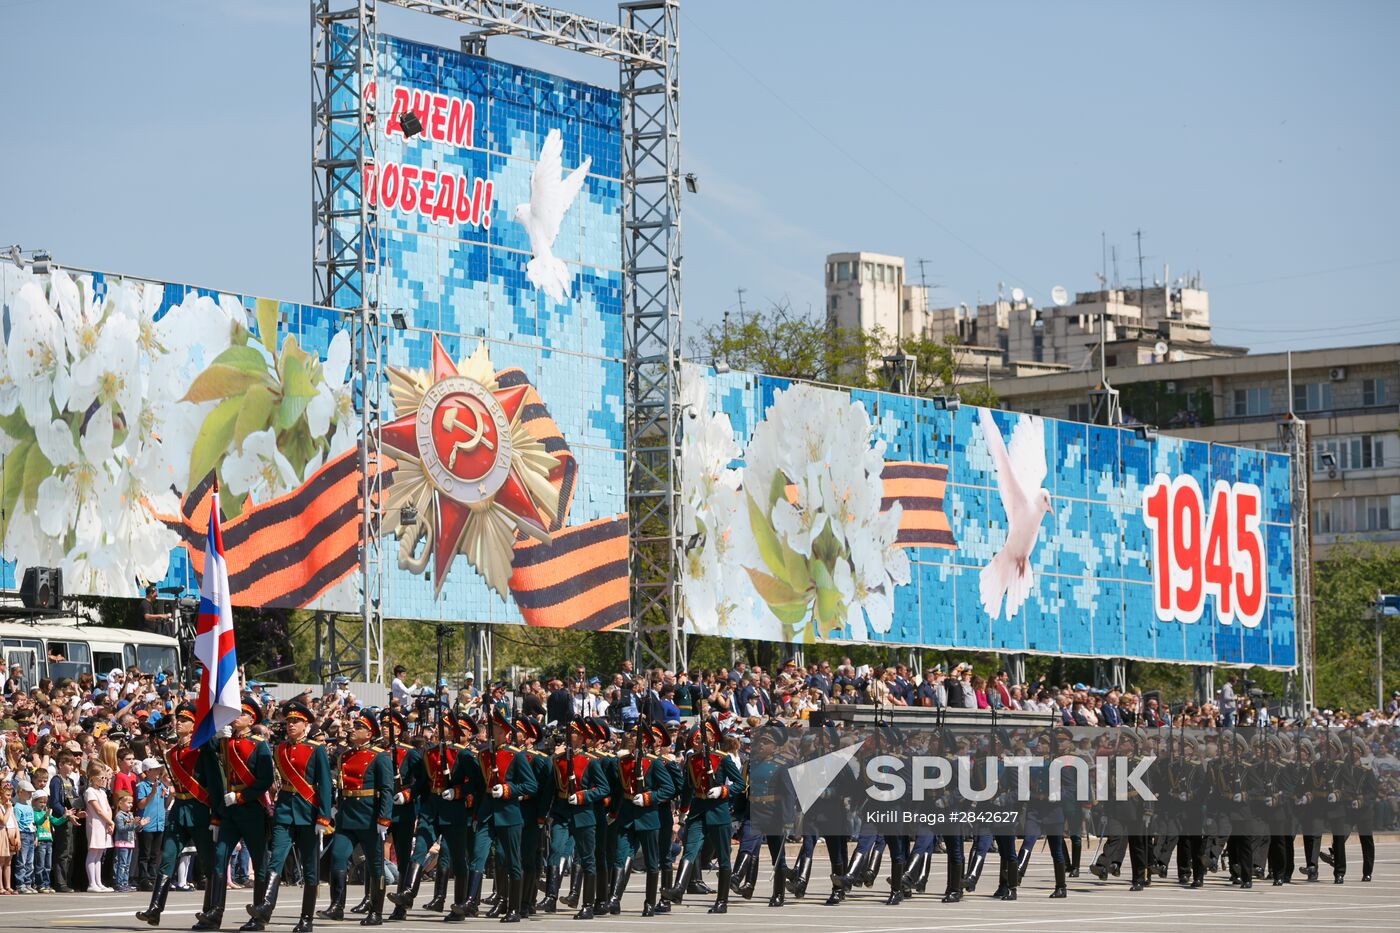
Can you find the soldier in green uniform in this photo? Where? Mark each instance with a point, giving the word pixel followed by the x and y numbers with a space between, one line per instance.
pixel 366 782
pixel 406 761
pixel 711 779
pixel 605 812
pixel 510 785
pixel 647 788
pixel 535 811
pixel 571 820
pixel 461 834
pixel 302 816
pixel 195 774
pixel 240 813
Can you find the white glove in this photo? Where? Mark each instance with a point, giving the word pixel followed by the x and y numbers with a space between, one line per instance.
pixel 320 829
pixel 714 793
pixel 398 798
pixel 214 833
pixel 226 732
pixel 625 753
pixel 1237 798
pixel 576 799
pixel 1331 798
pixel 498 791
pixel 449 794
pixel 383 831
pixel 230 799
pixel 639 800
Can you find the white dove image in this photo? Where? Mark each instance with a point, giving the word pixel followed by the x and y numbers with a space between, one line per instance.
pixel 1020 471
pixel 551 193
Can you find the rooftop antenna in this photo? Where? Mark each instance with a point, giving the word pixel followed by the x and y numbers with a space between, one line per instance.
pixel 1113 251
pixel 741 289
pixel 1103 259
pixel 1142 279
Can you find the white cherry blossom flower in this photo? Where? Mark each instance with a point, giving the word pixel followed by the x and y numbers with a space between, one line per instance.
pixel 37 355
pixel 333 395
pixel 111 374
pixel 259 468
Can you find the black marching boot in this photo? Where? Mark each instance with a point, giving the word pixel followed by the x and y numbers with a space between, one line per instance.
pixel 683 873
pixel 954 892
pixel 375 915
pixel 1023 862
pixel 1060 890
pixel 619 889
pixel 586 911
pixel 916 871
pixel 439 900
pixel 466 896
pixel 974 871
pixel 922 884
pixel 1076 849
pixel 663 906
pixel 779 886
pixel 335 910
pixel 897 886
pixel 515 888
pixel 871 874
pixel 721 904
pixel 215 890
pixel 1012 879
pixel 308 908
pixel 159 891
pixel 500 894
pixel 254 925
pixel 838 873
pixel 653 885
pixel 851 876
pixel 550 903
pixel 575 879
pixel 363 905
pixel 403 898
pixel 799 877
pixel 261 910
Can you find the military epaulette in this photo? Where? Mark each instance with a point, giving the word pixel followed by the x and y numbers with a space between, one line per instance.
pixel 255 738
pixel 376 749
pixel 313 742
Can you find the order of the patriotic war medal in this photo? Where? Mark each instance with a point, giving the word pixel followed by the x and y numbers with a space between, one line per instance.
pixel 469 476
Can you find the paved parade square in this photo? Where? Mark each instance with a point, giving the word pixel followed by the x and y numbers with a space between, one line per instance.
pixel 1162 908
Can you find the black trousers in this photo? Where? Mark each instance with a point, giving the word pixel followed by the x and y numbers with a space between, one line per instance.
pixel 1191 857
pixel 63 845
pixel 1137 856
pixel 147 858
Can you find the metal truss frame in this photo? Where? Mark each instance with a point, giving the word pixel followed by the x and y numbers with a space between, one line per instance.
pixel 345 264
pixel 646 47
pixel 1293 435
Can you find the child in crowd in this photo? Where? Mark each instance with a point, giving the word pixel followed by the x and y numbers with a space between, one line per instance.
pixel 9 836
pixel 44 823
pixel 100 824
pixel 24 819
pixel 124 841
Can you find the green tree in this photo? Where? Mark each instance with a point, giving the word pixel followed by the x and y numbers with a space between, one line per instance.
pixel 1344 589
pixel 781 342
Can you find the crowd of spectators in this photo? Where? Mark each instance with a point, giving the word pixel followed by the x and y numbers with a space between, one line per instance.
pixel 83 791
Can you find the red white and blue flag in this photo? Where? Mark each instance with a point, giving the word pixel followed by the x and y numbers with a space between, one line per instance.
pixel 219 699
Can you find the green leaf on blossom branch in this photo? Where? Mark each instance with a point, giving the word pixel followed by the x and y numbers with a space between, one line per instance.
pixel 230 505
pixel 16 426
pixel 769 547
pixel 828 601
pixel 13 482
pixel 298 446
pixel 267 314
pixel 245 358
pixel 214 438
pixel 297 392
pixel 36 469
pixel 222 381
pixel 789 605
pixel 255 413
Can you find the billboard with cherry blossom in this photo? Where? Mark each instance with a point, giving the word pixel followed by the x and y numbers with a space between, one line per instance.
pixel 819 514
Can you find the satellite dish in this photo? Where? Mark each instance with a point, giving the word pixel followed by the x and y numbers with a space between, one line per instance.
pixel 1059 295
pixel 1017 295
pixel 1160 349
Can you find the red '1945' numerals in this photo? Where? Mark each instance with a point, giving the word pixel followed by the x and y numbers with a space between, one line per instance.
pixel 1199 550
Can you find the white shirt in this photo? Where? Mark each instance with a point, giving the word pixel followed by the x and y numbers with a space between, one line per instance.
pixel 401 692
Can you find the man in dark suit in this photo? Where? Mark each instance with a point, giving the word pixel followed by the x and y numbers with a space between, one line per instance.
pixel 559 707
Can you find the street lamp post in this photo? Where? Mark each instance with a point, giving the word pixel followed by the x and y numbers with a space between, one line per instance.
pixel 1387 605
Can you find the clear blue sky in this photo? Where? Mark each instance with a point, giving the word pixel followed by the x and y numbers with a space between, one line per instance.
pixel 1255 142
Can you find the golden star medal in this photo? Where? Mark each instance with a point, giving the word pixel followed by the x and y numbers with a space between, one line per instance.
pixel 467 465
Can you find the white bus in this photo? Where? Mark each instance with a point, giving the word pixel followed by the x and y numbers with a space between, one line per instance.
pixel 37 646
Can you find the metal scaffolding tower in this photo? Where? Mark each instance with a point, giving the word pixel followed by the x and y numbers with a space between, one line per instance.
pixel 1293 440
pixel 645 45
pixel 345 262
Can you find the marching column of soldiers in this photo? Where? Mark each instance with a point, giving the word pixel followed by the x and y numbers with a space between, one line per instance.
pixel 565 814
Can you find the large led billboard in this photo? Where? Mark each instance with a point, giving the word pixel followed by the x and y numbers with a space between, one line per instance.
pixel 123 403
pixel 820 514
pixel 501 246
